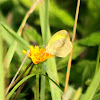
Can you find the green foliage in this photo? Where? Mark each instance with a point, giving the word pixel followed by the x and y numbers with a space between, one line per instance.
pixel 30 34
pixel 1 70
pixel 15 36
pixel 44 18
pixel 54 16
pixel 91 40
pixel 96 97
pixel 18 84
pixel 92 88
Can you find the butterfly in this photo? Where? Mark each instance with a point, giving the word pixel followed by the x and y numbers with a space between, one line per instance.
pixel 59 44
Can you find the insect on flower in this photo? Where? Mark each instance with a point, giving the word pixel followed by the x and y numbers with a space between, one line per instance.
pixel 59 45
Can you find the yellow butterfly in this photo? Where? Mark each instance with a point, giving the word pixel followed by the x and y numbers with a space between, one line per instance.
pixel 59 44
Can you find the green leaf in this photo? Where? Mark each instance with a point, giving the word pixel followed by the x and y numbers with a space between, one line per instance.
pixel 32 35
pixel 77 94
pixel 83 70
pixel 61 14
pixel 2 18
pixel 44 19
pixel 9 36
pixel 98 88
pixel 91 40
pixel 53 82
pixel 59 18
pixel 15 35
pixel 97 3
pixel 9 56
pixel 96 97
pixel 2 95
pixel 9 39
pixel 2 1
pixel 98 57
pixel 18 84
pixel 44 22
pixel 27 3
pixel 54 89
pixel 6 36
pixel 42 91
pixel 91 90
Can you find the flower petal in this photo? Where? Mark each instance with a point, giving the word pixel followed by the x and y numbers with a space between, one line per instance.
pixel 38 55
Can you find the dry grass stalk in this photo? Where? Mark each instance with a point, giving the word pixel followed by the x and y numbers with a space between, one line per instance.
pixel 73 39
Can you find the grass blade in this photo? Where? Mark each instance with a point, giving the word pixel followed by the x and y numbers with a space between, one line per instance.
pixel 95 82
pixel 97 65
pixel 14 35
pixel 17 72
pixel 12 48
pixel 37 82
pixel 44 19
pixel 9 55
pixel 77 94
pixel 53 82
pixel 42 92
pixel 1 70
pixel 18 84
pixel 56 95
pixel 93 87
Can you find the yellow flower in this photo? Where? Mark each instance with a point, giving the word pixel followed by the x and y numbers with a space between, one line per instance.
pixel 38 55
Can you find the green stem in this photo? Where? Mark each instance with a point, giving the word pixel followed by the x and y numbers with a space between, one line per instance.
pixel 42 93
pixel 37 84
pixel 35 95
pixel 1 71
pixel 22 85
pixel 97 64
pixel 44 19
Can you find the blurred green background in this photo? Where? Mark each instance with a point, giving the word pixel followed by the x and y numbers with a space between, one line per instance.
pixel 61 16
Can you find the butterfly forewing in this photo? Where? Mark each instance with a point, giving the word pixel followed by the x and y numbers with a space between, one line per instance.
pixel 59 35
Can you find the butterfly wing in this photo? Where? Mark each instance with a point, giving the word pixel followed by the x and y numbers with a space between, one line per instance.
pixel 58 35
pixel 61 47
